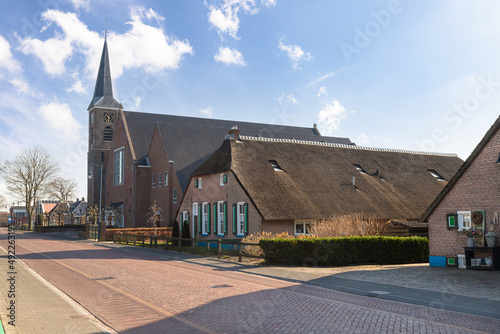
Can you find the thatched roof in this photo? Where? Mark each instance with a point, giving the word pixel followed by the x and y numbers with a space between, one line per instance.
pixel 316 178
pixel 482 144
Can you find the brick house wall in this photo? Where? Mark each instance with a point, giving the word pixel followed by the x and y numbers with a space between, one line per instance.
pixel 477 189
pixel 279 226
pixel 211 191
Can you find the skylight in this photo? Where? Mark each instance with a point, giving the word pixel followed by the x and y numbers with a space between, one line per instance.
pixel 436 175
pixel 275 165
pixel 360 169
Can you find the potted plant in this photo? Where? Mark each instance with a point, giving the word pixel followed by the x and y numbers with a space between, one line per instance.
pixel 471 233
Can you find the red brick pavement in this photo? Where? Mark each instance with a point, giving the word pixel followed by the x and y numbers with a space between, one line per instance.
pixel 143 293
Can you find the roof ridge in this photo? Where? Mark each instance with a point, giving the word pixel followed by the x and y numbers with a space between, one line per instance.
pixel 354 147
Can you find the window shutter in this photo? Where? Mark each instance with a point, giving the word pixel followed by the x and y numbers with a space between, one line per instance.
pixel 182 221
pixel 196 183
pixel 208 217
pixel 225 217
pixel 234 219
pixel 452 221
pixel 216 222
pixel 200 218
pixel 246 218
pixel 224 179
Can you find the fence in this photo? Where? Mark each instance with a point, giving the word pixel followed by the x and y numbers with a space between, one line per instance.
pixel 238 247
pixel 69 229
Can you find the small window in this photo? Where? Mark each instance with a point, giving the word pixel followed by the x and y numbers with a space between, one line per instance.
pixel 204 218
pixel 153 181
pixel 108 134
pixel 160 181
pixel 464 219
pixel 360 169
pixel 199 183
pixel 303 227
pixel 436 175
pixel 223 179
pixel 275 165
pixel 165 179
pixel 174 196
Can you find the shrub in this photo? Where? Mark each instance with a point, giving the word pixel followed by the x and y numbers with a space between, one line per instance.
pixel 255 238
pixel 344 251
pixel 175 230
pixel 355 224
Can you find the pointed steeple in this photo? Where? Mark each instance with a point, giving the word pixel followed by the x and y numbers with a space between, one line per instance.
pixel 103 91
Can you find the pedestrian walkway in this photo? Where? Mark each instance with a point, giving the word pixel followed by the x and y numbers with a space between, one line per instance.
pixel 36 306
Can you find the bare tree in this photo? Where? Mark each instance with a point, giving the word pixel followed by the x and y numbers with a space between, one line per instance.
pixel 63 189
pixel 28 176
pixel 153 216
pixel 3 201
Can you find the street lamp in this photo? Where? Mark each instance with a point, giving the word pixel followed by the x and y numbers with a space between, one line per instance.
pixel 100 197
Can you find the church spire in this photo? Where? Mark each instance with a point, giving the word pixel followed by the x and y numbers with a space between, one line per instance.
pixel 103 91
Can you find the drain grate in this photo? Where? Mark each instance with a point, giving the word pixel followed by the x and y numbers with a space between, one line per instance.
pixel 376 294
pixel 220 286
pixel 102 278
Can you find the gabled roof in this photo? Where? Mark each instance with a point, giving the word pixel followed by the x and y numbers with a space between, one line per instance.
pixel 486 139
pixel 189 141
pixel 316 180
pixel 103 91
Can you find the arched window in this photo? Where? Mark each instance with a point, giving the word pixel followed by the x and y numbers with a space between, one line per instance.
pixel 108 134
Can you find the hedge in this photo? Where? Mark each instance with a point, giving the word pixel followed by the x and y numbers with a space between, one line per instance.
pixel 345 251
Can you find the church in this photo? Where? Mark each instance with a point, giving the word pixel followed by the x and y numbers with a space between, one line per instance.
pixel 147 159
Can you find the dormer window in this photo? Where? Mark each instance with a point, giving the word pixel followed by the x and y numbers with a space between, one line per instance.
pixel 436 175
pixel 360 169
pixel 275 165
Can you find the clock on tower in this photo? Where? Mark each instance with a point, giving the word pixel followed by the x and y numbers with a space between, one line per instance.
pixel 109 117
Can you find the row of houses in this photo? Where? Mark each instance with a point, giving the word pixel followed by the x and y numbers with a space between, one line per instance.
pixel 230 179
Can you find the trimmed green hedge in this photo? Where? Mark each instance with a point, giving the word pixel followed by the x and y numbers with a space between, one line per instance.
pixel 344 251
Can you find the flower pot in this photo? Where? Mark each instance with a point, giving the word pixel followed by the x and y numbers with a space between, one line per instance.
pixel 491 238
pixel 470 242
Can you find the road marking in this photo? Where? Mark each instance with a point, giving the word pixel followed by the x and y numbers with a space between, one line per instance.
pixel 131 296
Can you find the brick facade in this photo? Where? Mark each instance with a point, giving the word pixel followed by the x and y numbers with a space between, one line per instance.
pixel 476 189
pixel 211 191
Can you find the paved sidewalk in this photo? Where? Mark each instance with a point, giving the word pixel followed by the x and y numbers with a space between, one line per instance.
pixel 39 307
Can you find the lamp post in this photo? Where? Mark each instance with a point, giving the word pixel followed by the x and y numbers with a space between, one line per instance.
pixel 100 198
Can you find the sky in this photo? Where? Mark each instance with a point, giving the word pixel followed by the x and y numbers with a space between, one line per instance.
pixel 417 75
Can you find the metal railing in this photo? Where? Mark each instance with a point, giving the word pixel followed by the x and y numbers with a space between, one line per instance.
pixel 177 243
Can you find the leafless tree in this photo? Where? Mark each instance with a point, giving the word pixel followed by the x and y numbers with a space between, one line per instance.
pixel 62 189
pixel 29 175
pixel 59 212
pixel 153 216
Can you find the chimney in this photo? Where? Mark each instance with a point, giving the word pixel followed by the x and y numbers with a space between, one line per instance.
pixel 234 132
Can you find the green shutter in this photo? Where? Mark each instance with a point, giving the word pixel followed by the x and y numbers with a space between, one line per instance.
pixel 224 179
pixel 225 217
pixel 215 218
pixel 200 216
pixel 196 183
pixel 208 217
pixel 182 220
pixel 234 218
pixel 246 218
pixel 452 221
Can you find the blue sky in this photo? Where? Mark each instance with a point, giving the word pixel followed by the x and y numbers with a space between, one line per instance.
pixel 418 75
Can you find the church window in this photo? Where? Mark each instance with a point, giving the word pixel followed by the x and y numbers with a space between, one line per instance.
pixel 118 166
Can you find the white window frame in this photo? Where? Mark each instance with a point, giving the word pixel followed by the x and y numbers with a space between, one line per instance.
pixel 461 215
pixel 304 223
pixel 220 219
pixel 119 166
pixel 160 181
pixel 153 180
pixel 184 218
pixel 240 221
pixel 199 183
pixel 221 179
pixel 165 179
pixel 174 196
pixel 204 217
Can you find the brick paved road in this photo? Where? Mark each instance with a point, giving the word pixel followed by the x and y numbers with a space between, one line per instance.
pixel 143 293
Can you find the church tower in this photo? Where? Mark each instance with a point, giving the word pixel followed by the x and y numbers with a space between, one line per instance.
pixel 103 110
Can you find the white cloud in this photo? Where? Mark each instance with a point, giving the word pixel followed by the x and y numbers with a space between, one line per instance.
pixel 77 88
pixel 288 98
pixel 21 85
pixel 59 118
pixel 208 111
pixel 269 3
pixel 330 116
pixel 7 61
pixel 229 56
pixel 295 54
pixel 142 46
pixel 80 4
pixel 224 15
pixel 322 91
